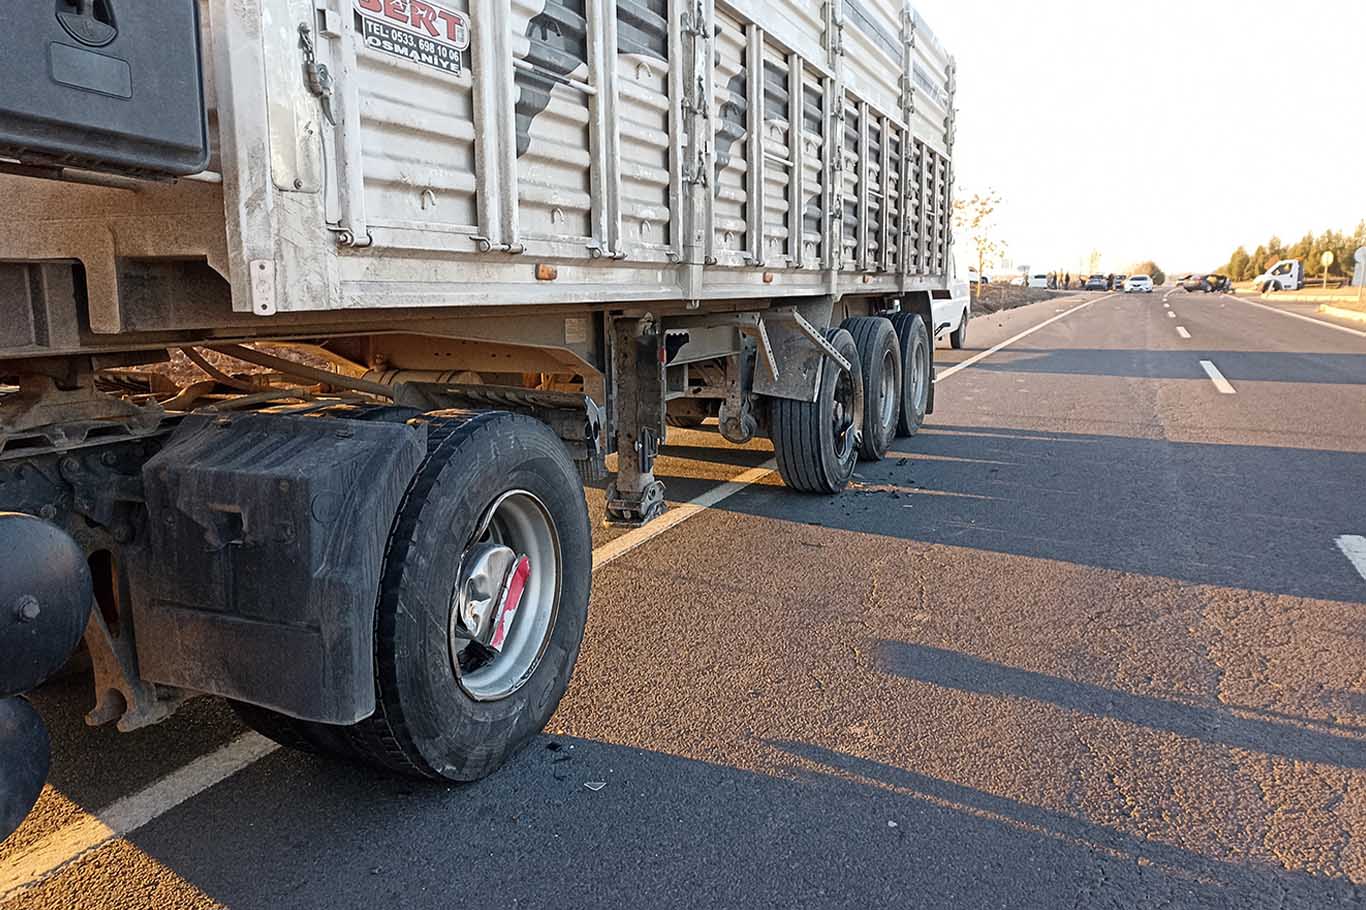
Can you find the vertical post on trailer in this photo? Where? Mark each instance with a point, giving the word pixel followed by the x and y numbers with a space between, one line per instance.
pixel 635 497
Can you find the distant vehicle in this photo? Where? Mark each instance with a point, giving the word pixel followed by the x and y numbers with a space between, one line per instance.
pixel 1118 283
pixel 1097 283
pixel 1038 281
pixel 975 277
pixel 1286 275
pixel 1018 281
pixel 1218 284
pixel 1191 282
pixel 1138 284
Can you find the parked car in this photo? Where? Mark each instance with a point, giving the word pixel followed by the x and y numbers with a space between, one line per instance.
pixel 1038 281
pixel 1117 284
pixel 975 277
pixel 1138 284
pixel 1218 284
pixel 1097 283
pixel 1191 282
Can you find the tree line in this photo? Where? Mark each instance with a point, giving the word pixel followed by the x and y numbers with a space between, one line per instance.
pixel 1243 265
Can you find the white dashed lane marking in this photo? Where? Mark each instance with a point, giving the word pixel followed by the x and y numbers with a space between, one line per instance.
pixel 1220 383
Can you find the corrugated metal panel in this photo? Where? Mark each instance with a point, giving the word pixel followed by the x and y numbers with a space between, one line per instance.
pixel 850 148
pixel 550 40
pixel 777 161
pixel 815 169
pixel 874 204
pixel 645 125
pixel 417 139
pixel 730 113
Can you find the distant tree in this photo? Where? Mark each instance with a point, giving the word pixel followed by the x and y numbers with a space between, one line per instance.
pixel 973 217
pixel 1258 262
pixel 1275 252
pixel 1239 265
pixel 1149 268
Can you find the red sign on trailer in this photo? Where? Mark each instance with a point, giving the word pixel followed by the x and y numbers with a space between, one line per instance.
pixel 417 30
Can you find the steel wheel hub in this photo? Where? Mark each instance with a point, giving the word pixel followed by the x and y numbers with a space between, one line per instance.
pixel 506 597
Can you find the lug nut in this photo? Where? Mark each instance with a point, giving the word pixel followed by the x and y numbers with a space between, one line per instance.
pixel 27 608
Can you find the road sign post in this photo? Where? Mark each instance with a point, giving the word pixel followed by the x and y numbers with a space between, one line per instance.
pixel 1326 260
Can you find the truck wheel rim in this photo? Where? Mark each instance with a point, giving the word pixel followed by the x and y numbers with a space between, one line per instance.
pixel 887 400
pixel 844 418
pixel 495 661
pixel 917 375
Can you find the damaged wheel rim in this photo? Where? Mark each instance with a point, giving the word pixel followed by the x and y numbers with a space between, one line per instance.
pixel 506 597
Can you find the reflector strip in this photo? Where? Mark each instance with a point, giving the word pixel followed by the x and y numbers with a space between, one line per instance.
pixel 512 599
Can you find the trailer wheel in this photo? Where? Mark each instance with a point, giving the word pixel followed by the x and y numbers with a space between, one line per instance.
pixel 883 382
pixel 817 442
pixel 916 368
pixel 482 605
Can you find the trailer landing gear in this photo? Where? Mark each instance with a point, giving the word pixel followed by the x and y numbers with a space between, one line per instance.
pixel 635 497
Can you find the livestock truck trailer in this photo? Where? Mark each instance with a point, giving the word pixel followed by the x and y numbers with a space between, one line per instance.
pixel 421 265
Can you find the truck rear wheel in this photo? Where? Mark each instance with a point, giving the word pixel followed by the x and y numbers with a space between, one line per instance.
pixel 959 336
pixel 916 368
pixel 817 442
pixel 881 362
pixel 482 605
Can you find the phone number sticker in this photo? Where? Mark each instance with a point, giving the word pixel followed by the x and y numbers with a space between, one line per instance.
pixel 422 32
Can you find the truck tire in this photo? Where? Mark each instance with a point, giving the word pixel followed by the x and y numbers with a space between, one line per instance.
pixel 816 443
pixel 917 366
pixel 881 362
pixel 959 336
pixel 448 707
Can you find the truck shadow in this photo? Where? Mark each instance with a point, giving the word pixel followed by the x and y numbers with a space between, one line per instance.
pixel 667 831
pixel 1241 516
pixel 1216 725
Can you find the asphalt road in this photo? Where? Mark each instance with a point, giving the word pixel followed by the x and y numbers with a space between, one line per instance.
pixel 1089 640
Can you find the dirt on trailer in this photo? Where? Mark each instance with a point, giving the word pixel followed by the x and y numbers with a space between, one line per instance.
pixel 997 297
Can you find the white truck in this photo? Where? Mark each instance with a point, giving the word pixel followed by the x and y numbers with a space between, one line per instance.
pixel 1286 275
pixel 511 237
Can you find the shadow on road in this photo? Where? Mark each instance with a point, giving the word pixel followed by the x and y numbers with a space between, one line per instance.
pixel 668 831
pixel 1239 516
pixel 1246 366
pixel 1216 725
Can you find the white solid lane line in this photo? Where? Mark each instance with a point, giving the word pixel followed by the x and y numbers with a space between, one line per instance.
pixel 1181 330
pixel 679 514
pixel 1354 548
pixel 1217 378
pixel 1300 316
pixel 77 838
pixel 72 841
pixel 1009 341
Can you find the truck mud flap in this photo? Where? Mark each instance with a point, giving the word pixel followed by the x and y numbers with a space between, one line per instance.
pixel 266 542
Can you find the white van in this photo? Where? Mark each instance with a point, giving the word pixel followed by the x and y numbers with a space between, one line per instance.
pixel 1286 275
pixel 1038 281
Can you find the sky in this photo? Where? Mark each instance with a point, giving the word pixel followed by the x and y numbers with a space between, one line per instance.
pixel 1171 130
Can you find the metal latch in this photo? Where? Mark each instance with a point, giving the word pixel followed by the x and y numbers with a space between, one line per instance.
pixel 317 76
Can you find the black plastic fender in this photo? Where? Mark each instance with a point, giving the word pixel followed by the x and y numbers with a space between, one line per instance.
pixel 260 572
